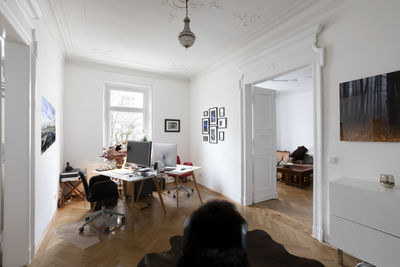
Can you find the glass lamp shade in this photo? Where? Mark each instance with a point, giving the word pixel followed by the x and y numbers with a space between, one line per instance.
pixel 186 37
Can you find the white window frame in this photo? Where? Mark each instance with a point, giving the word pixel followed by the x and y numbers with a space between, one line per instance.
pixel 146 110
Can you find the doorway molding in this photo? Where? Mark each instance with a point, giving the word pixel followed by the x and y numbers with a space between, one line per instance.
pixel 293 53
pixel 19 17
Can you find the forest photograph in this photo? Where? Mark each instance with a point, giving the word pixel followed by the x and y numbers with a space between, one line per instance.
pixel 370 109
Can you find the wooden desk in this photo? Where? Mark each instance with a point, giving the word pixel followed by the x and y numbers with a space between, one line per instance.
pixel 297 174
pixel 180 170
pixel 131 179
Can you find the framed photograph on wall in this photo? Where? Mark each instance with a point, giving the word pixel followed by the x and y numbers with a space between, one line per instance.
pixel 222 123
pixel 213 116
pixel 221 112
pixel 213 134
pixel 172 126
pixel 205 126
pixel 221 136
pixel 205 138
pixel 205 113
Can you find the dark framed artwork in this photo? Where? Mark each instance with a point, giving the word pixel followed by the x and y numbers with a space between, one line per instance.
pixel 221 112
pixel 221 136
pixel 172 126
pixel 370 110
pixel 205 138
pixel 222 123
pixel 205 113
pixel 205 125
pixel 213 116
pixel 213 135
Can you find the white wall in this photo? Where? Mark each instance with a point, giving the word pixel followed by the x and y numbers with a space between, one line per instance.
pixel 294 120
pixel 221 163
pixel 84 93
pixel 361 39
pixel 50 84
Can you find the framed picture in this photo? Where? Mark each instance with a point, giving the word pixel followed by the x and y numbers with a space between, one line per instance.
pixel 221 136
pixel 205 113
pixel 221 112
pixel 48 125
pixel 205 125
pixel 205 138
pixel 213 116
pixel 213 134
pixel 222 123
pixel 173 126
pixel 369 109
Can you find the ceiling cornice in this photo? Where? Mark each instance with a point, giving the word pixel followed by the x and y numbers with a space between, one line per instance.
pixel 271 38
pixel 105 66
pixel 59 14
pixel 20 15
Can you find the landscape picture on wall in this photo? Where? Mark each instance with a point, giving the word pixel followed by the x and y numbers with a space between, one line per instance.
pixel 370 109
pixel 48 125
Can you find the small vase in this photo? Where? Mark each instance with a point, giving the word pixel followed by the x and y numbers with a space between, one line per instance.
pixel 119 163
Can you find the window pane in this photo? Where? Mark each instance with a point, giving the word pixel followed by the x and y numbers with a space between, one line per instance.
pixel 128 99
pixel 125 126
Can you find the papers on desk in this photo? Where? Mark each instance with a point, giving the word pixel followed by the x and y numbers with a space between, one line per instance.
pixel 121 171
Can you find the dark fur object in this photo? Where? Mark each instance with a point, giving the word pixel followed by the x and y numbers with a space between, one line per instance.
pixel 261 251
pixel 214 238
pixel 299 153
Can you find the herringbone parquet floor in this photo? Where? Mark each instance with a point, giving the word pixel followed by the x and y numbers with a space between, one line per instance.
pixel 152 231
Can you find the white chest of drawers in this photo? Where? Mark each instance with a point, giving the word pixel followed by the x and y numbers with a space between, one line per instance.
pixel 365 220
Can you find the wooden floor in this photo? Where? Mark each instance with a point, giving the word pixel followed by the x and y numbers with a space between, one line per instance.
pixel 153 229
pixel 294 203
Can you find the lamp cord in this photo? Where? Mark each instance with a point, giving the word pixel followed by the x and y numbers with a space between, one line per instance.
pixel 187 8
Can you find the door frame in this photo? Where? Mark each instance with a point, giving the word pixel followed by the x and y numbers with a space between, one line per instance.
pixel 293 53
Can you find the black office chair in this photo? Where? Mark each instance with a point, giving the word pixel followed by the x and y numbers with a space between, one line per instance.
pixel 101 191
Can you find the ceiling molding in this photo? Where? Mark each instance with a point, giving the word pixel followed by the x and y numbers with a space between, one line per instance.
pixel 310 17
pixel 59 13
pixel 34 8
pixel 106 66
pixel 20 15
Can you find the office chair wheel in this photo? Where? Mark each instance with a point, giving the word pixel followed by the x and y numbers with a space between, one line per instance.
pixel 192 190
pixel 87 218
pixel 174 196
pixel 107 229
pixel 81 229
pixel 188 195
pixel 168 192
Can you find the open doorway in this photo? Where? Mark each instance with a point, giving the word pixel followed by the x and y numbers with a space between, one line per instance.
pixel 294 131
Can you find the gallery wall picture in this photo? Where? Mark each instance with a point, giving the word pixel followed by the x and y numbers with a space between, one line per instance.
pixel 221 136
pixel 221 112
pixel 213 116
pixel 48 127
pixel 213 134
pixel 370 110
pixel 172 125
pixel 222 123
pixel 205 125
pixel 214 120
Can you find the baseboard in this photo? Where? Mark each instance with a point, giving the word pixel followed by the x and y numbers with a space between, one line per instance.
pixel 318 234
pixel 44 235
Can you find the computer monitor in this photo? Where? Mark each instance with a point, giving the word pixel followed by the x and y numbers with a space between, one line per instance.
pixel 139 153
pixel 166 153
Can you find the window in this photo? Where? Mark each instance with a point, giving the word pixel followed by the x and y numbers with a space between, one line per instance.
pixel 127 113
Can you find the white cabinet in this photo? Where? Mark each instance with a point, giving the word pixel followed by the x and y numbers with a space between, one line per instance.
pixel 365 220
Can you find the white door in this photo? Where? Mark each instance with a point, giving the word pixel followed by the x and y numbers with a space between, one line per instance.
pixel 264 144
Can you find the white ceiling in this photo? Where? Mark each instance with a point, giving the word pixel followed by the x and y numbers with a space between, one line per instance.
pixel 142 34
pixel 297 80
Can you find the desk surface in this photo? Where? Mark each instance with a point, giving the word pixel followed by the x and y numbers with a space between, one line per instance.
pixel 182 169
pixel 136 176
pixel 132 177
